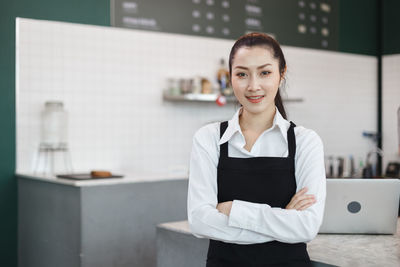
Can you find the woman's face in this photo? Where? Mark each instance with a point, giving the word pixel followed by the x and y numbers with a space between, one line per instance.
pixel 255 78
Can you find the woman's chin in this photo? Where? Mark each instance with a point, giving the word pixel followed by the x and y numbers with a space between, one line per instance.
pixel 258 108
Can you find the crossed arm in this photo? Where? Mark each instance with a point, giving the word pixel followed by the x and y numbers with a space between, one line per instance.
pixel 245 222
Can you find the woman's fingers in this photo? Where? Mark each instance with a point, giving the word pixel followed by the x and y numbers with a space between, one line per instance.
pixel 295 198
pixel 300 200
pixel 305 207
pixel 302 205
pixel 225 207
pixel 299 194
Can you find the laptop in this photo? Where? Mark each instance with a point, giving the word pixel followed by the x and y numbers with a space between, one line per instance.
pixel 361 206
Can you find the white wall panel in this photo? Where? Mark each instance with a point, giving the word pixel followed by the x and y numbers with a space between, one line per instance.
pixel 391 103
pixel 111 83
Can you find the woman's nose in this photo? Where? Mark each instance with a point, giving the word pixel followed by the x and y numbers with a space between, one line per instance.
pixel 254 84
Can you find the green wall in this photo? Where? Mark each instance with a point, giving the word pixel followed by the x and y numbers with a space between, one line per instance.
pixel 358 26
pixel 359 29
pixel 391 26
pixel 358 34
pixel 79 11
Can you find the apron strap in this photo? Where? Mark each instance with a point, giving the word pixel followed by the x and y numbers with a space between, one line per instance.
pixel 290 137
pixel 223 147
pixel 291 140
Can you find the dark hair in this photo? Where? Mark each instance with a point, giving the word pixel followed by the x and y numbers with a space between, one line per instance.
pixel 262 39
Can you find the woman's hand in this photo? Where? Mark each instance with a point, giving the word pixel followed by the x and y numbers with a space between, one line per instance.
pixel 225 207
pixel 301 201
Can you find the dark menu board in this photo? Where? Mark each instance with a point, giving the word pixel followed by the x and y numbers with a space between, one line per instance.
pixel 304 23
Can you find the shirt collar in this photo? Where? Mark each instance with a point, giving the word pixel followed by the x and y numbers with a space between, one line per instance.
pixel 233 126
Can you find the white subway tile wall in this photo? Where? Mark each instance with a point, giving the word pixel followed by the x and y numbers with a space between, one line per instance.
pixel 111 83
pixel 391 103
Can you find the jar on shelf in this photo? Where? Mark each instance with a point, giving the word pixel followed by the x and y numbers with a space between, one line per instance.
pixel 54 125
pixel 173 86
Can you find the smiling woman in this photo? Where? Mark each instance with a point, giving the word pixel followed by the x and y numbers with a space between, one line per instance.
pixel 257 62
pixel 254 82
pixel 249 175
pixel 255 86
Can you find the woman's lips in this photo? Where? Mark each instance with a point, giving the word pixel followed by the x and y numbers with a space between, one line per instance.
pixel 255 99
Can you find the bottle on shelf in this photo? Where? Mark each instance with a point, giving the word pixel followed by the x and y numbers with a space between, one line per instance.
pixel 206 86
pixel 360 168
pixel 351 167
pixel 223 79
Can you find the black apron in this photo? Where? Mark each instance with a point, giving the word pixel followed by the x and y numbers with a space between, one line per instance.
pixel 269 180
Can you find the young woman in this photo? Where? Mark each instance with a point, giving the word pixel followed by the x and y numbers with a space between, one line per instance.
pixel 257 182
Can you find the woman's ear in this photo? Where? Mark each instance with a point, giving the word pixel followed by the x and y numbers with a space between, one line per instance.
pixel 282 77
pixel 283 74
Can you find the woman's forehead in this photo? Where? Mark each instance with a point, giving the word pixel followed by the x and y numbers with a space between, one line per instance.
pixel 254 56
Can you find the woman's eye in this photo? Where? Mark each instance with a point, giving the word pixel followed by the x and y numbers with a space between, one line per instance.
pixel 264 73
pixel 241 74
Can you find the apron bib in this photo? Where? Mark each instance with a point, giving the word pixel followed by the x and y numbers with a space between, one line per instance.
pixel 267 180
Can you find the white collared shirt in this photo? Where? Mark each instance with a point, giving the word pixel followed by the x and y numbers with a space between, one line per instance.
pixel 249 222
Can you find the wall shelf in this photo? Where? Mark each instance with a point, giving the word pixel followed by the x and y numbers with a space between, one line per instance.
pixel 209 98
pixel 195 97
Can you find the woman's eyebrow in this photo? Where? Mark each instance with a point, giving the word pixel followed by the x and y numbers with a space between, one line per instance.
pixel 259 67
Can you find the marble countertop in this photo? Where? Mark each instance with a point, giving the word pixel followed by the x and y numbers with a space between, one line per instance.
pixel 340 250
pixel 127 179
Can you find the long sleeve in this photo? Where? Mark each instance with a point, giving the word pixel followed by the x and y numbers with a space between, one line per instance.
pixel 290 226
pixel 205 220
